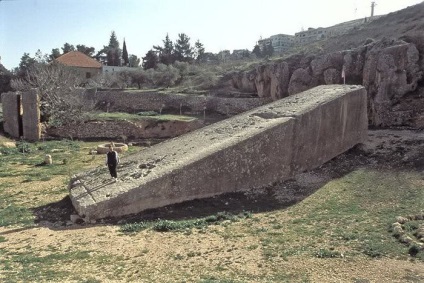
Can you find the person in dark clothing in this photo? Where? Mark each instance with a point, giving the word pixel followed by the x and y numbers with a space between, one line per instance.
pixel 112 161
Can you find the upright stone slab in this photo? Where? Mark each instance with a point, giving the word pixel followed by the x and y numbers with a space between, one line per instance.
pixel 31 115
pixel 251 150
pixel 11 113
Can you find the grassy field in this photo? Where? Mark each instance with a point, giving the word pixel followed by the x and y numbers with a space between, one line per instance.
pixel 336 230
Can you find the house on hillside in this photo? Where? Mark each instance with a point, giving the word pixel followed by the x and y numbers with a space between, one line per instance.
pixel 86 65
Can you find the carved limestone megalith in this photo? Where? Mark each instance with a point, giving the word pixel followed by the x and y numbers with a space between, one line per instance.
pixel 248 151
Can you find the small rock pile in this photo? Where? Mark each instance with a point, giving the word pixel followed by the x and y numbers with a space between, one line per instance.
pixel 414 240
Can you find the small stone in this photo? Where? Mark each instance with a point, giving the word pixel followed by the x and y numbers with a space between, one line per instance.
pixel 401 219
pixel 8 144
pixel 48 159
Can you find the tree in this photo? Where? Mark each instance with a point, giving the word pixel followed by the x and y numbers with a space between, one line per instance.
pixel 134 61
pixel 151 60
pixel 139 77
pixel 199 51
pixel 268 50
pixel 41 58
pixel 257 51
pixel 165 75
pixel 113 51
pixel 5 77
pixel 67 48
pixel 55 54
pixel 89 51
pixel 26 63
pixel 183 50
pixel 125 54
pixel 61 100
pixel 166 53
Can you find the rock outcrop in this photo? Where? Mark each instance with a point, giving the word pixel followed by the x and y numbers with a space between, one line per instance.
pixel 390 71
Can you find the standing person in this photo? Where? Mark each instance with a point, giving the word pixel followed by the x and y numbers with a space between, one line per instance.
pixel 112 161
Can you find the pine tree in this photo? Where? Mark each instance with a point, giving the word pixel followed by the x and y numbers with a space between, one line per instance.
pixel 67 48
pixel 55 54
pixel 125 54
pixel 89 51
pixel 183 49
pixel 166 53
pixel 257 51
pixel 113 51
pixel 151 60
pixel 26 63
pixel 199 51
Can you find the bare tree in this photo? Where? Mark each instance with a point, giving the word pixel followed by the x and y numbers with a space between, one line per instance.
pixel 62 98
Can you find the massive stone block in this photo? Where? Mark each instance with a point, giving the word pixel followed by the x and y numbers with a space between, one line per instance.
pixel 11 103
pixel 251 150
pixel 31 115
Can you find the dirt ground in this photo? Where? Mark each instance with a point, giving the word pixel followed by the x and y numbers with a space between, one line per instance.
pixel 384 148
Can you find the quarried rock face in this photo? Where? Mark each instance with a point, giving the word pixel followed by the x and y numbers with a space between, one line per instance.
pixel 391 71
pixel 389 74
pixel 251 150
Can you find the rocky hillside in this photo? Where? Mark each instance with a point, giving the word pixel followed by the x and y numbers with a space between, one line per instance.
pixel 387 60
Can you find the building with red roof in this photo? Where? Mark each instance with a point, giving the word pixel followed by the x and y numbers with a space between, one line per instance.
pixel 83 63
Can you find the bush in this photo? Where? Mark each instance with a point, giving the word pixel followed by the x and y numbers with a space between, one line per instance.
pixel 414 250
pixel 324 253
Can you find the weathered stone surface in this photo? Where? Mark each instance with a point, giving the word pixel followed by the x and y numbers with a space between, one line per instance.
pixel 300 81
pixel 31 115
pixel 388 75
pixel 332 76
pixel 320 64
pixel 272 80
pixel 390 70
pixel 149 128
pixel 245 81
pixel 251 150
pixel 11 113
pixel 280 78
pixel 263 81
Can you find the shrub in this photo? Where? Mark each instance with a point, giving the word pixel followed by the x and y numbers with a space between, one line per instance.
pixel 324 253
pixel 414 250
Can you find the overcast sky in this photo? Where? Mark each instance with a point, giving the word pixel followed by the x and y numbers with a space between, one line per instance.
pixel 29 25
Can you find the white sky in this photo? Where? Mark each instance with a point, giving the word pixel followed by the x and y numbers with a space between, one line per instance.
pixel 28 25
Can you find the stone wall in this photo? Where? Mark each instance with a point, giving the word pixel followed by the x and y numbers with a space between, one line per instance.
pixel 137 101
pixel 143 129
pixel 251 150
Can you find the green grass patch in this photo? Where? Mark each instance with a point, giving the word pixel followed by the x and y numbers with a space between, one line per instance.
pixel 354 211
pixel 31 267
pixel 11 214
